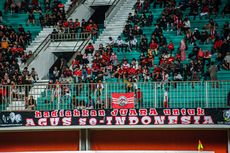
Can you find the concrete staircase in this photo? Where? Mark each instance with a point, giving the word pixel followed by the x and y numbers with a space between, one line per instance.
pixel 115 26
pixel 39 39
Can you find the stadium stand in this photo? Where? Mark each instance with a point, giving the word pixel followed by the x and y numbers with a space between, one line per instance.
pixel 160 43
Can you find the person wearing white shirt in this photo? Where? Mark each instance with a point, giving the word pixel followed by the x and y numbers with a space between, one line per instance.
pixel 177 77
pixel 187 24
pixel 119 44
pixel 99 88
pixel 110 42
pixel 125 65
pixel 133 43
pixel 166 99
pixel 165 79
pixel 226 64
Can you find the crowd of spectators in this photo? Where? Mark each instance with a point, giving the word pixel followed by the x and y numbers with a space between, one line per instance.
pixel 172 66
pixel 50 12
pixel 75 29
pixel 13 43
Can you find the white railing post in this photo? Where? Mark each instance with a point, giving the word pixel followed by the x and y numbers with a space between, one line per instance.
pixel 106 95
pixel 155 94
pixel 206 93
pixel 10 94
pixel 58 98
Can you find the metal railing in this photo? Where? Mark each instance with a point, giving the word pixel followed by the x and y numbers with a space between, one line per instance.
pixel 98 3
pixel 89 96
pixel 70 36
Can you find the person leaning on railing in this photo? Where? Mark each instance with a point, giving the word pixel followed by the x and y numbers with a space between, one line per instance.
pixel 30 103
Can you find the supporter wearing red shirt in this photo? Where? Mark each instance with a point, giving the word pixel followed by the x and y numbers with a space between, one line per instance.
pixel 156 73
pixel 138 5
pixel 89 28
pixel 170 60
pixel 218 43
pixel 162 61
pixel 71 24
pixel 67 72
pixel 95 29
pixel 75 64
pixel 89 49
pixel 106 57
pixel 88 70
pixel 77 25
pixel 171 47
pixel 77 74
pixel 95 69
pixel 207 57
pixel 132 71
pixel 154 47
pixel 65 24
pixel 125 66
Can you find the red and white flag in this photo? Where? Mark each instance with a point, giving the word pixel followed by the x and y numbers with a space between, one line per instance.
pixel 122 100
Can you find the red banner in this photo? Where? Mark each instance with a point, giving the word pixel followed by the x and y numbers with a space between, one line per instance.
pixel 123 100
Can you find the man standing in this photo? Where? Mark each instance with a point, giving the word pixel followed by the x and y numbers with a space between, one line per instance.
pixel 166 99
pixel 213 74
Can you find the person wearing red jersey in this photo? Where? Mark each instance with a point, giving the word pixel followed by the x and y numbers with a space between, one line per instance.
pixel 77 74
pixel 166 98
pixel 89 49
pixel 77 25
pixel 132 71
pixel 95 69
pixel 156 73
pixel 154 46
pixel 171 47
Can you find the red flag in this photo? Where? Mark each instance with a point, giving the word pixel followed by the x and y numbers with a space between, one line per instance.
pixel 123 100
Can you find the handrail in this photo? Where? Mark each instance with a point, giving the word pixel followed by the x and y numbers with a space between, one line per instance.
pixel 109 14
pixel 69 36
pixel 111 8
pixel 180 94
pixel 38 50
pixel 71 10
pixel 47 39
pixel 92 3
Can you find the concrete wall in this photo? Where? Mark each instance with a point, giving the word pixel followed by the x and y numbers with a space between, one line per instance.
pixel 82 12
pixel 42 63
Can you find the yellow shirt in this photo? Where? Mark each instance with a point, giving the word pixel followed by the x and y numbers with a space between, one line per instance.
pixel 4 44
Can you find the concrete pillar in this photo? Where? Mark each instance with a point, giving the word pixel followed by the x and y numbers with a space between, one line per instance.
pixel 84 140
pixel 228 133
